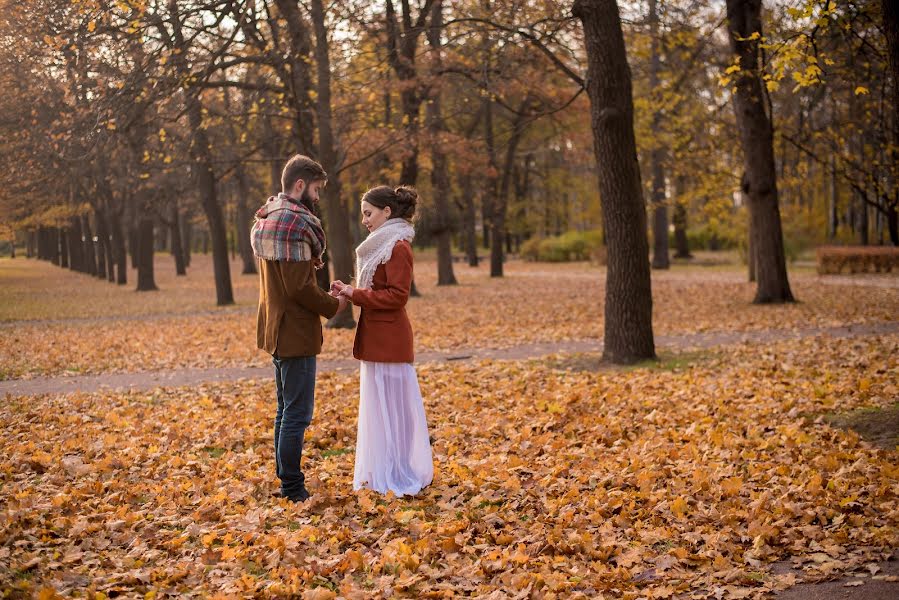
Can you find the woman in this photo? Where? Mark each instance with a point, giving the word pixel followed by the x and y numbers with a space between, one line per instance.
pixel 393 452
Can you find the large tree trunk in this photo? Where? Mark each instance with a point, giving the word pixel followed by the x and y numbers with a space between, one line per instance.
pixel 338 223
pixel 744 17
pixel 146 281
pixel 628 336
pixel 660 258
pixel 440 182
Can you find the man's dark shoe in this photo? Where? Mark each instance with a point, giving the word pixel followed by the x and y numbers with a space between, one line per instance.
pixel 302 496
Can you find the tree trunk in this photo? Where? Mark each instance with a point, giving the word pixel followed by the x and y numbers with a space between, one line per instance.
pixel 90 254
pixel 660 258
pixel 175 235
pixel 440 182
pixel 201 155
pixel 756 136
pixel 470 236
pixel 63 248
pixel 339 246
pixel 300 81
pixel 275 161
pixel 45 249
pixel 102 243
pixel 892 218
pixel 30 243
pixel 500 201
pixel 55 254
pixel 402 44
pixel 833 215
pixel 187 230
pixel 681 242
pixel 107 245
pixel 133 243
pixel 861 217
pixel 76 247
pixel 628 335
pixel 889 10
pixel 117 235
pixel 145 279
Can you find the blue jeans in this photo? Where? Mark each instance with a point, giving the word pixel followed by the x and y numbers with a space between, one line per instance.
pixel 295 381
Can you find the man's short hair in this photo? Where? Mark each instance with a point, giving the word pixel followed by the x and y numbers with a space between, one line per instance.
pixel 301 167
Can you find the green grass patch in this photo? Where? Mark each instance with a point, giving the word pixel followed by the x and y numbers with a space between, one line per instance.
pixel 214 451
pixel 337 452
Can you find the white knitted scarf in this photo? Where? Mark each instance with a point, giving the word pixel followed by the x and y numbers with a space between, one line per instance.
pixel 377 249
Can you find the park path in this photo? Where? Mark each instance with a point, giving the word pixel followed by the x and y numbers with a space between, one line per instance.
pixel 183 377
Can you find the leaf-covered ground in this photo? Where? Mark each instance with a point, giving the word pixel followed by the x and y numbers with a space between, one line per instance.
pixel 638 483
pixel 89 326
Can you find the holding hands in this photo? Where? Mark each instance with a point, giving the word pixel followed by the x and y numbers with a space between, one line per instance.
pixel 341 291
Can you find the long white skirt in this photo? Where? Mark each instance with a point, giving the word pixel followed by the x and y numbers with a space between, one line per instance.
pixel 393 452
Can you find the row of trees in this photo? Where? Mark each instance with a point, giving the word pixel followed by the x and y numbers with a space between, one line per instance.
pixel 123 117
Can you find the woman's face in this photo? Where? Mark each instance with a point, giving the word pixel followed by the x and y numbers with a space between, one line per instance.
pixel 373 217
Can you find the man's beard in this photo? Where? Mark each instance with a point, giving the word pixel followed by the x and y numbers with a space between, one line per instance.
pixel 306 200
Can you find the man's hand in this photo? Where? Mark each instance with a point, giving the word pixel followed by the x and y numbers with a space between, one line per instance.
pixel 336 287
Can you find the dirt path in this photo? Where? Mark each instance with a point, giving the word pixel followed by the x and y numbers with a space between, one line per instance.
pixel 183 377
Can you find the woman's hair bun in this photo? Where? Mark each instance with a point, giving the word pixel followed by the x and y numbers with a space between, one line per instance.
pixel 406 199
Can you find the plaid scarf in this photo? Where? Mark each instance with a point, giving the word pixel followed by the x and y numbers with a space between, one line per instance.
pixel 281 228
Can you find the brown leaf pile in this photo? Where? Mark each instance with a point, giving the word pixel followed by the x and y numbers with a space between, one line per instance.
pixel 549 483
pixel 533 303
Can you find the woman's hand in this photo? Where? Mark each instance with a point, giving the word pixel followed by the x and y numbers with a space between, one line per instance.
pixel 347 292
pixel 336 287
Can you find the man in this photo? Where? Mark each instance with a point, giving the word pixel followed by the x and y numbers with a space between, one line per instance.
pixel 289 241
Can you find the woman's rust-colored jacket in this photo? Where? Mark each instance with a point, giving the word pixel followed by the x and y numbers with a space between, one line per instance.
pixel 384 333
